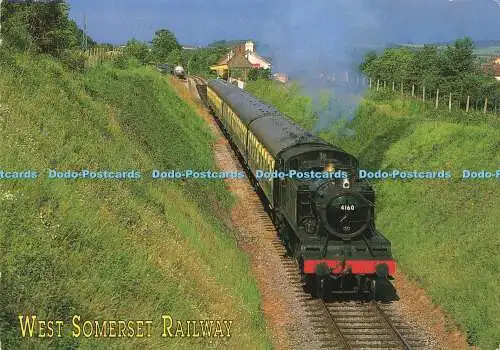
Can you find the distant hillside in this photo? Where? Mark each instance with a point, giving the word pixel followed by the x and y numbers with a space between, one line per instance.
pixel 484 49
pixel 261 47
pixel 480 44
pixel 226 43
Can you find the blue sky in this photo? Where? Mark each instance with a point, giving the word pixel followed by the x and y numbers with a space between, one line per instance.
pixel 296 32
pixel 203 21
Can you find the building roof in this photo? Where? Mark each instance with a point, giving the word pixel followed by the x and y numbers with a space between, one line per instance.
pixel 237 58
pixel 237 50
pixel 496 70
pixel 223 60
pixel 239 61
pixel 492 68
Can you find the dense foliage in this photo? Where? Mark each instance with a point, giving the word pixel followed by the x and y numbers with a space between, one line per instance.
pixel 226 43
pixel 164 44
pixel 199 61
pixel 137 49
pixel 289 99
pixel 40 27
pixel 259 73
pixel 454 69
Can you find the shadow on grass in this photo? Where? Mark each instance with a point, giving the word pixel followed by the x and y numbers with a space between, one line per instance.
pixel 373 153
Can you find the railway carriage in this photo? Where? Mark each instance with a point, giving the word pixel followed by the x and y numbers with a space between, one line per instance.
pixel 326 220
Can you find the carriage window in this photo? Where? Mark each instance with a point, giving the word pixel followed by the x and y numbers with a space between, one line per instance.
pixel 294 164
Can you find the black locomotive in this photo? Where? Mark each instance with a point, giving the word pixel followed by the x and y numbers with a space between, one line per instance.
pixel 324 214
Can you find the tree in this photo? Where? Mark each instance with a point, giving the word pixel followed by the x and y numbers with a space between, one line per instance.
pixel 425 68
pixel 164 42
pixel 15 31
pixel 366 65
pixel 42 27
pixel 459 58
pixel 175 58
pixel 137 49
pixel 200 60
pixel 259 73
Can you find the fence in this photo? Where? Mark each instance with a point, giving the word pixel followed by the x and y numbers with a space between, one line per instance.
pixel 440 99
pixel 100 54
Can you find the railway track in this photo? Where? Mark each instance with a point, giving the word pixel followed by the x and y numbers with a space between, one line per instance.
pixel 348 324
pixel 337 324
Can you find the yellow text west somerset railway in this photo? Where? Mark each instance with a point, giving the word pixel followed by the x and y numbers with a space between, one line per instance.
pixel 34 327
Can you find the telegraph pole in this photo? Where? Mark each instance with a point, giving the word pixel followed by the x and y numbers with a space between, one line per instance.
pixel 85 40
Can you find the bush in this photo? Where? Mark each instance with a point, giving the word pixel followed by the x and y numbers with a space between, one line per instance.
pixel 73 60
pixel 137 49
pixel 120 61
pixel 6 57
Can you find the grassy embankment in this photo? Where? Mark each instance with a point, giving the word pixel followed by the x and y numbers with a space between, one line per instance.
pixel 110 249
pixel 444 232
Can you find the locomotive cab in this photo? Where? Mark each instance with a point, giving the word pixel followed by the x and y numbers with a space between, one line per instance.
pixel 325 198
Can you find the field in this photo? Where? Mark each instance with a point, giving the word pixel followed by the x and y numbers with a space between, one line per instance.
pixel 444 233
pixel 485 54
pixel 109 249
pixel 484 50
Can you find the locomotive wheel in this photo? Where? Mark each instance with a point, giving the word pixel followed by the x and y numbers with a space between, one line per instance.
pixel 309 285
pixel 373 289
pixel 382 290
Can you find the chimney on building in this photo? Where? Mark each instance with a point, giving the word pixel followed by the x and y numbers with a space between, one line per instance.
pixel 249 46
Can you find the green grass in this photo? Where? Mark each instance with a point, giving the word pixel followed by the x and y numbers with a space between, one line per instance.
pixel 287 98
pixel 108 249
pixel 444 233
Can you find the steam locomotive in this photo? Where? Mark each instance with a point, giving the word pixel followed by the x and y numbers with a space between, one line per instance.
pixel 324 214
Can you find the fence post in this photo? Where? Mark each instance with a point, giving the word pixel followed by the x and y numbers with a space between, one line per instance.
pixel 393 86
pixel 413 90
pixel 423 94
pixel 378 84
pixel 437 98
pixel 385 84
pixel 467 105
pixel 485 105
pixel 449 103
pixel 402 92
pixel 370 83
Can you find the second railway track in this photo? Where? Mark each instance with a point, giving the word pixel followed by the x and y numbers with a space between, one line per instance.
pixel 337 324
